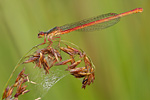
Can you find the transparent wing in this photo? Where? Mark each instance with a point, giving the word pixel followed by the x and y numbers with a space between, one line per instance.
pixel 94 27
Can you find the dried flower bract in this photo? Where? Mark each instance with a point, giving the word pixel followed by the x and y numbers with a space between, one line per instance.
pixel 19 84
pixel 52 56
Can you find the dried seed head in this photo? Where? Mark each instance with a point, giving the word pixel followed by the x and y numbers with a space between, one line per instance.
pixel 74 64
pixel 47 57
pixel 20 75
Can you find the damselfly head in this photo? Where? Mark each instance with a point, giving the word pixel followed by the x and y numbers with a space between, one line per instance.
pixel 41 34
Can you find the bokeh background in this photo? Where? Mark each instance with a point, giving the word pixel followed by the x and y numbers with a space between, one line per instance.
pixel 120 53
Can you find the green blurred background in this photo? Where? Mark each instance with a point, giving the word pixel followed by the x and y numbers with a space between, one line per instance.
pixel 120 53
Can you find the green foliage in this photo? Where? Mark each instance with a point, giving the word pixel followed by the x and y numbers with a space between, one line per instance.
pixel 120 53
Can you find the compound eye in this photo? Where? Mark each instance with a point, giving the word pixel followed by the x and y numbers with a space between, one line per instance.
pixel 41 34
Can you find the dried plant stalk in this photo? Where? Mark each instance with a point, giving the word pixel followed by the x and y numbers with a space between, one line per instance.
pixel 50 56
pixel 19 84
